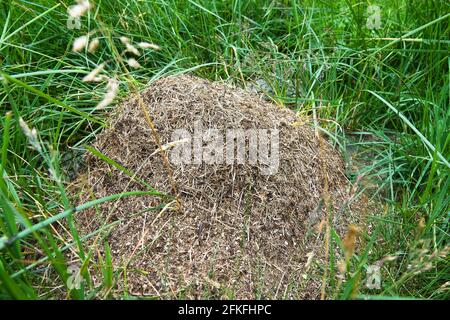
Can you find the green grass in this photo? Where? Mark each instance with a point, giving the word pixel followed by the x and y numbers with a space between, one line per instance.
pixel 382 96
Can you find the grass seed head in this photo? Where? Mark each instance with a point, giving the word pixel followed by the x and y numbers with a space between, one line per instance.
pixel 349 241
pixel 342 267
pixel 124 40
pixel 93 45
pixel 310 256
pixel 80 9
pixel 146 45
pixel 421 226
pixel 93 75
pixel 111 91
pixel 132 49
pixel 133 63
pixel 80 43
pixel 31 134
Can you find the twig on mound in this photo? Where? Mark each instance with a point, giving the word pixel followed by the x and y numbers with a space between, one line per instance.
pixel 135 93
pixel 150 122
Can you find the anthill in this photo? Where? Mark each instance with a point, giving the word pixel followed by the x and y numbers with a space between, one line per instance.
pixel 245 227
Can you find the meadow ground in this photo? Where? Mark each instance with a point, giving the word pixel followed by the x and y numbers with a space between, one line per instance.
pixel 374 76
